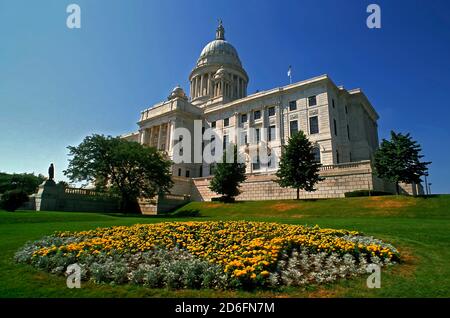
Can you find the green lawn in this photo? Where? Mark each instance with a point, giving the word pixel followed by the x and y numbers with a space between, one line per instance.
pixel 419 227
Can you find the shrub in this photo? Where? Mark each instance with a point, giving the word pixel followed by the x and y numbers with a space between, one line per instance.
pixel 365 193
pixel 12 200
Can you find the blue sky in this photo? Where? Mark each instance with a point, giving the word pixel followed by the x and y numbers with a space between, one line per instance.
pixel 58 85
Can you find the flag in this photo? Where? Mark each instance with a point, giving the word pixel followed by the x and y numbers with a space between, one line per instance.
pixel 289 71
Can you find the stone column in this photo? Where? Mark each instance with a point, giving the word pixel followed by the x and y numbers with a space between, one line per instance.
pixel 143 136
pixel 150 143
pixel 159 137
pixel 195 86
pixel 263 134
pixel 166 148
pixel 236 126
pixel 170 127
pixel 202 79
pixel 278 120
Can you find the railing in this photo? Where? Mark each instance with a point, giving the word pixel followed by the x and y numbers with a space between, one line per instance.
pixel 87 192
pixel 348 165
pixel 183 197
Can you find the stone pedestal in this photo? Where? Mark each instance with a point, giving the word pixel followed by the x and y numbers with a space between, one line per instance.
pixel 47 196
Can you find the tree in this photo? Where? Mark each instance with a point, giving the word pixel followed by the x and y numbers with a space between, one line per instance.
pixel 227 177
pixel 13 199
pixel 298 167
pixel 27 182
pixel 398 160
pixel 126 168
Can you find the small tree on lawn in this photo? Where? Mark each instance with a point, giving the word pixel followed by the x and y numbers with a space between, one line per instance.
pixel 298 168
pixel 398 160
pixel 126 168
pixel 227 177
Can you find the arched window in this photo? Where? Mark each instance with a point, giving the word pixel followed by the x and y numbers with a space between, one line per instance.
pixel 316 153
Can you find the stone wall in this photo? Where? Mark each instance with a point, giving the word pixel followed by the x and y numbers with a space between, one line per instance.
pixel 53 197
pixel 338 179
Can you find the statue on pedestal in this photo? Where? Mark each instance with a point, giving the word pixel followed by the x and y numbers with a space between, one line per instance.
pixel 51 172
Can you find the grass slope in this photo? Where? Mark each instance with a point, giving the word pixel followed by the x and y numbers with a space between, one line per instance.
pixel 419 227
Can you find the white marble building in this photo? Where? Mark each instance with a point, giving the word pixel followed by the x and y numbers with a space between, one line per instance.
pixel 341 123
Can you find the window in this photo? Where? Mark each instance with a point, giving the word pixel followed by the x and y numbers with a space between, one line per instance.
pixel 313 125
pixel 335 127
pixel 257 135
pixel 256 165
pixel 181 151
pixel 271 111
pixel 187 173
pixel 213 124
pixel 348 132
pixel 293 127
pixel 243 118
pixel 351 157
pixel 346 109
pixel 225 141
pixel 332 102
pixel 312 100
pixel 256 114
pixel 316 153
pixel 226 122
pixel 212 168
pixel 201 171
pixel 179 172
pixel 293 105
pixel 272 133
pixel 337 156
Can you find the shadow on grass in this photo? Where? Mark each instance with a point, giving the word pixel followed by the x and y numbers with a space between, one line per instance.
pixel 179 214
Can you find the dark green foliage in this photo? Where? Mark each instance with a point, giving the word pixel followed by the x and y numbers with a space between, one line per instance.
pixel 365 193
pixel 13 199
pixel 399 160
pixel 63 184
pixel 298 168
pixel 126 168
pixel 27 182
pixel 227 177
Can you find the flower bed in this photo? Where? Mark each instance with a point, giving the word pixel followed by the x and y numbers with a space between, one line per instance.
pixel 210 254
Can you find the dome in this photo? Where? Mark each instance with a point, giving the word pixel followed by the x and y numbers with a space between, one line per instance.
pixel 219 52
pixel 219 74
pixel 177 92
